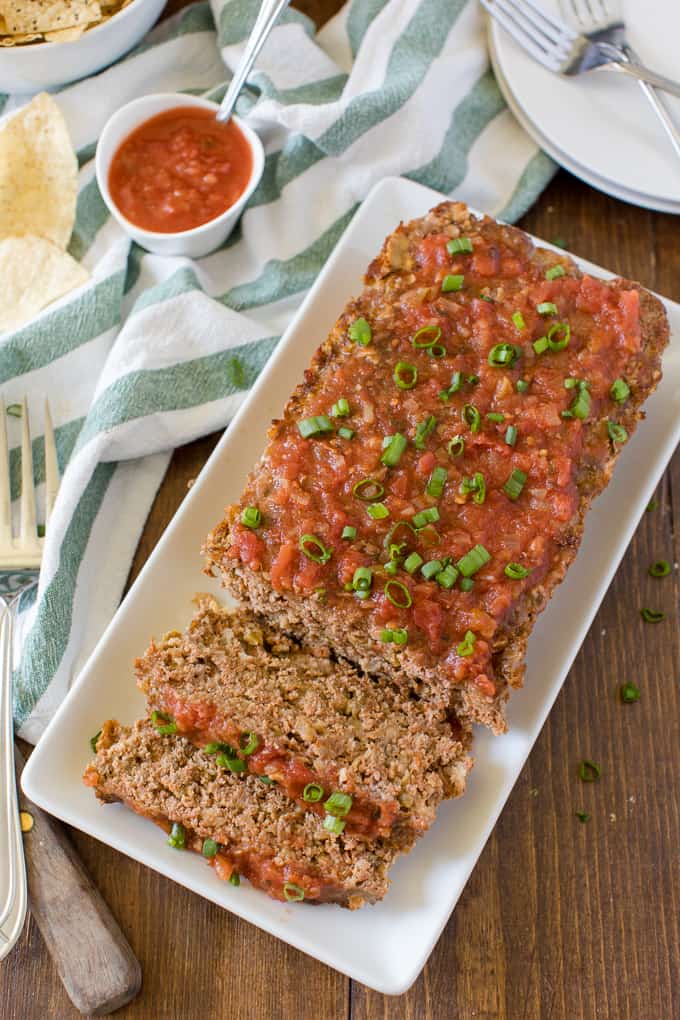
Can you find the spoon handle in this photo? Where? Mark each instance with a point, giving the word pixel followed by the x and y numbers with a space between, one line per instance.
pixel 265 21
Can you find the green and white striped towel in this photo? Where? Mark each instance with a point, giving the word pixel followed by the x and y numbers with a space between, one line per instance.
pixel 153 351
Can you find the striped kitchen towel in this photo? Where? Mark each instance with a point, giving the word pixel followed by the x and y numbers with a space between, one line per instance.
pixel 153 351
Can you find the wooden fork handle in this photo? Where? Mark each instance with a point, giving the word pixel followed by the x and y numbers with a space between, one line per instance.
pixel 95 962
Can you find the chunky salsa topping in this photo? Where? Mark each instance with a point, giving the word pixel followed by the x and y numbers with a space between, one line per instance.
pixel 180 169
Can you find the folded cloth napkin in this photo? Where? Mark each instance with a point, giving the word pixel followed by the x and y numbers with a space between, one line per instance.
pixel 153 351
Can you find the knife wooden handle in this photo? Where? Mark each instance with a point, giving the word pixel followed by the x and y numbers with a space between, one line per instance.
pixel 95 962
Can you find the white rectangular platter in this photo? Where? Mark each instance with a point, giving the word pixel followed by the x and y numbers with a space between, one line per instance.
pixel 384 946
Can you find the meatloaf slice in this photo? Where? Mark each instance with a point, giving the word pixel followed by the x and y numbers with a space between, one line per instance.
pixel 315 726
pixel 242 826
pixel 428 481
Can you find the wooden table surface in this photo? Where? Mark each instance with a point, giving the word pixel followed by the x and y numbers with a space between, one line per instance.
pixel 560 919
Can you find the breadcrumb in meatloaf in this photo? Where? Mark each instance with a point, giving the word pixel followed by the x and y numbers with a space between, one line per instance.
pixel 429 478
pixel 259 832
pixel 313 725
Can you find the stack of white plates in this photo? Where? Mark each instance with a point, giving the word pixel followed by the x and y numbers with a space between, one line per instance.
pixel 600 125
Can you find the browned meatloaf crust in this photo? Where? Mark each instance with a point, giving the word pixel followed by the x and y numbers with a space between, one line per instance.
pixel 260 833
pixel 312 725
pixel 440 403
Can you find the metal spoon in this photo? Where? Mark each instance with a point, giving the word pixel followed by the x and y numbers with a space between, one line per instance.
pixel 265 21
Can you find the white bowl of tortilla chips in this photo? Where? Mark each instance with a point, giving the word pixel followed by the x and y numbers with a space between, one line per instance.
pixel 45 43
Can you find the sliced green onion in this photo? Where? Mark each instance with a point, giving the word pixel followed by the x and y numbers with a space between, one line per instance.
pixel 423 430
pixel 209 848
pixel 540 345
pixel 521 385
pixel 495 416
pixel 452 282
pixel 251 517
pixel 437 481
pixel 466 584
pixel 391 567
pixel 456 382
pixel 40 530
pixel 412 562
pixel 583 816
pixel 475 485
pixel 467 647
pixel 546 308
pixel 398 594
pixel 447 577
pixel 459 245
pixel 267 780
pixel 363 579
pixel 652 615
pixel 334 825
pixel 163 722
pixel 345 433
pixel 473 560
pixel 378 511
pixel 511 435
pixel 424 517
pixel 93 741
pixel 555 272
pixel 393 530
pixel 293 893
pixel 559 242
pixel 360 332
pixel 503 355
pixel 338 804
pixel 405 375
pixel 312 793
pixel 394 635
pixel 515 571
pixel 515 483
pixel 212 748
pixel 589 771
pixel 349 533
pixel 426 336
pixel 341 409
pixel 14 410
pixel 393 451
pixel 235 878
pixel 487 297
pixel 571 383
pixel 518 320
pixel 228 759
pixel 619 390
pixel 562 341
pixel 431 569
pixel 616 433
pixel 249 743
pixel 436 351
pixel 314 549
pixel 471 417
pixel 369 490
pixel 580 408
pixel 178 836
pixel 456 446
pixel 629 693
pixel 660 568
pixel 316 426
pixel 652 505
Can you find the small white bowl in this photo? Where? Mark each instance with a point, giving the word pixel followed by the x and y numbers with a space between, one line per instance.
pixel 199 240
pixel 45 65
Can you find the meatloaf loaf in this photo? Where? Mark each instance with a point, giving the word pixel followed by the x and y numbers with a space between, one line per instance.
pixel 325 732
pixel 239 824
pixel 425 489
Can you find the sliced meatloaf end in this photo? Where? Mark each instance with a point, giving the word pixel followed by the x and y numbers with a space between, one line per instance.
pixel 315 726
pixel 464 412
pixel 240 825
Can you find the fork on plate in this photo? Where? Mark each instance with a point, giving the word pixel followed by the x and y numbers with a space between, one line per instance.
pixel 20 557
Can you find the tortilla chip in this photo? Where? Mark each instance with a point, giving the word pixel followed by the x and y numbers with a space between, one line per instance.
pixel 65 34
pixel 33 273
pixel 48 15
pixel 19 40
pixel 38 174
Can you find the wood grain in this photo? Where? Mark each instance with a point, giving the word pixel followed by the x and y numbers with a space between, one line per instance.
pixel 560 920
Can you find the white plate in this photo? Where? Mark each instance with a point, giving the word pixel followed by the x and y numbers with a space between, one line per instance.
pixel 600 125
pixel 384 946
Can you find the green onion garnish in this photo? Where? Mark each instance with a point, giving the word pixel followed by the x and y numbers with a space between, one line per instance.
pixel 467 647
pixel 14 410
pixel 583 816
pixel 341 409
pixel 511 435
pixel 405 375
pixel 518 320
pixel 93 741
pixel 466 584
pixel 475 485
pixel 378 511
pixel 314 549
pixel 431 569
pixel 388 541
pixel 424 517
pixel 412 562
pixel 436 351
pixel 616 433
pixel 423 430
pixel 363 579
pixel 503 355
pixel 338 804
pixel 473 560
pixel 212 748
pixel 163 722
pixel 391 567
pixel 521 385
pixel 234 878
pixel 368 489
pixel 555 272
pixel 652 615
pixel 580 408
pixel 515 483
pixel 589 771
pixel 619 390
pixel 312 793
pixel 562 340
pixel 458 245
pixel 209 848
pixel 345 433
pixel 349 533
pixel 177 837
pixel 267 780
pixel 393 451
pixel 319 425
pixel 471 417
pixel 333 824
pixel 450 283
pixel 293 893
pixel 660 568
pixel 360 332
pixel 228 759
pixel 251 517
pixel 546 308
pixel 437 481
pixel 652 505
pixel 249 743
pixel 540 345
pixel 487 297
pixel 456 446
pixel 426 336
pixel 496 416
pixel 447 577
pixel 515 571
pixel 629 693
pixel 456 382
pixel 398 594
pixel 394 635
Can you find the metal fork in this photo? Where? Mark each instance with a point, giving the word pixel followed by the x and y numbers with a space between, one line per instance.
pixel 563 50
pixel 20 558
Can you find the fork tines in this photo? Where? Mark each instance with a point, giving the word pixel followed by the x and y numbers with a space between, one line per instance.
pixel 549 41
